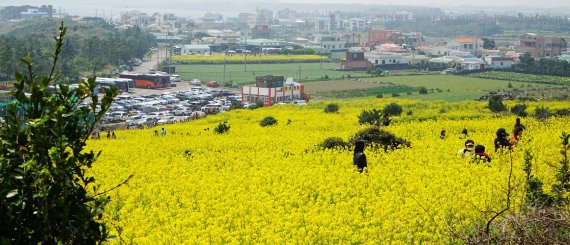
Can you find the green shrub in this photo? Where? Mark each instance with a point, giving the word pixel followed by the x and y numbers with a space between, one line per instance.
pixel 334 142
pixel 268 121
pixel 563 112
pixel 409 112
pixel 395 95
pixel 542 113
pixel 222 128
pixel 369 117
pixel 519 110
pixel 48 194
pixel 331 108
pixel 379 96
pixel 423 90
pixel 496 104
pixel 376 137
pixel 393 109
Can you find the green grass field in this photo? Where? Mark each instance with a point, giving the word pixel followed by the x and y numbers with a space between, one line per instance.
pixel 445 87
pixel 241 74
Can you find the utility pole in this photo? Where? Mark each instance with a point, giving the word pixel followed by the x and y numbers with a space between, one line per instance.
pixel 321 52
pixel 299 73
pixel 245 54
pixel 225 56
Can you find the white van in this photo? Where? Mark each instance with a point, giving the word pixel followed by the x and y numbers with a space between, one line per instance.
pixel 124 97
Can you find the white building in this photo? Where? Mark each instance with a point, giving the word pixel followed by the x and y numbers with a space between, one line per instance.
pixel 195 50
pixel 499 62
pixel 284 92
pixel 467 44
pixel 330 42
pixel 386 59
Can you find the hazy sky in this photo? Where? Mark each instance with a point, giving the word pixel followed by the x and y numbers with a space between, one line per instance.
pixel 193 7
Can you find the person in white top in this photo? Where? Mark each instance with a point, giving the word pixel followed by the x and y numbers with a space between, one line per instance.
pixel 468 150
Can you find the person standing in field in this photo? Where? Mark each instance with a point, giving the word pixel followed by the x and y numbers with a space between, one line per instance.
pixel 464 134
pixel 468 150
pixel 518 124
pixel 515 138
pixel 359 158
pixel 386 120
pixel 480 154
pixel 163 132
pixel 442 134
pixel 501 141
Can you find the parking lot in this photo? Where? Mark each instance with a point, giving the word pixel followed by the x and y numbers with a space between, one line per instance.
pixel 152 107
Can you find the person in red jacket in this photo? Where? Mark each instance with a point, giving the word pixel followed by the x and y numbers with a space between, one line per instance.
pixel 480 154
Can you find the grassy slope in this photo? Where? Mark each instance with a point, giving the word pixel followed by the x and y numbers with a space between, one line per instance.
pixel 310 71
pixel 460 88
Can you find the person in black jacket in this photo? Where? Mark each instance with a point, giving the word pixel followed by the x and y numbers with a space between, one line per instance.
pixel 502 140
pixel 359 158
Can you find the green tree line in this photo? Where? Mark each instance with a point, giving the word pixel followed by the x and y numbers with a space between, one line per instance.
pixel 90 46
pixel 482 27
pixel 552 67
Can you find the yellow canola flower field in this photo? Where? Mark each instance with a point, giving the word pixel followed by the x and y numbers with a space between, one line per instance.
pixel 271 185
pixel 240 58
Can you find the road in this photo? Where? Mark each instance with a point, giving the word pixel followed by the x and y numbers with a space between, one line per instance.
pixel 145 66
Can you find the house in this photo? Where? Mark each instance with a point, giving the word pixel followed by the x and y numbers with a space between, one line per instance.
pixel 273 89
pixel 330 42
pixel 472 64
pixel 377 37
pixel 499 62
pixel 490 53
pixel 195 50
pixel 259 45
pixel 417 60
pixel 436 50
pixel 387 60
pixel 541 46
pixel 468 44
pixel 355 61
pixel 442 62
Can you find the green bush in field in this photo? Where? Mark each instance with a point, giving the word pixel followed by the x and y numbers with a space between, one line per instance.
pixel 331 108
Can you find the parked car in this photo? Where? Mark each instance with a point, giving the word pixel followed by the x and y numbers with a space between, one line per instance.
pixel 182 112
pixel 196 82
pixel 212 84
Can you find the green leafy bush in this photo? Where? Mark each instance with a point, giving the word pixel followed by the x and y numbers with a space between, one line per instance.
pixel 563 112
pixel 268 121
pixel 393 109
pixel 423 90
pixel 222 128
pixel 542 113
pixel 377 137
pixel 45 194
pixel 496 104
pixel 369 117
pixel 331 108
pixel 334 142
pixel 519 110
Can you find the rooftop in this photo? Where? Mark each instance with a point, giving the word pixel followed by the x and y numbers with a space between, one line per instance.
pixel 466 39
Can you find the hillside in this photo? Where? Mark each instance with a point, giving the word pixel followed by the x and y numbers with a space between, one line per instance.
pixel 273 185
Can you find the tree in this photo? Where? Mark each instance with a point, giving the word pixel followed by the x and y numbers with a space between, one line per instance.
pixel 496 104
pixel 488 43
pixel 46 195
pixel 526 61
pixel 393 109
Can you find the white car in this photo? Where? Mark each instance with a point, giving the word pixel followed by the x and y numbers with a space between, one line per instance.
pixel 196 82
pixel 182 112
